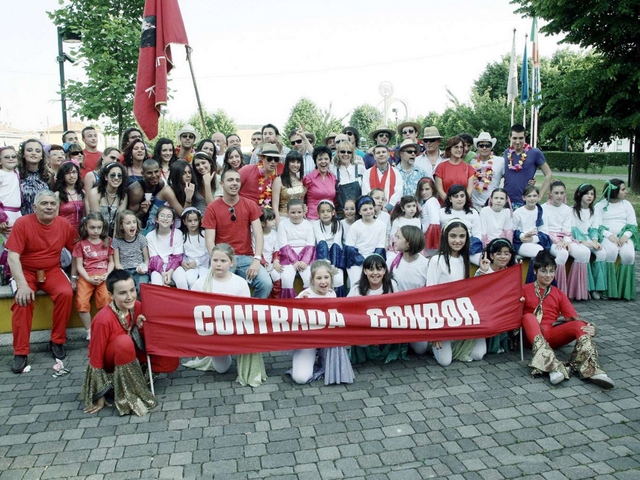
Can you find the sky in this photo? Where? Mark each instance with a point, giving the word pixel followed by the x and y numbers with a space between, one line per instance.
pixel 255 59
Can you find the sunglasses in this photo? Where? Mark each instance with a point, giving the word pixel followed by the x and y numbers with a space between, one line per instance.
pixel 408 131
pixel 271 159
pixel 350 134
pixel 188 135
pixel 75 154
pixel 345 151
pixel 232 211
pixel 484 145
pixel 115 175
pixel 430 140
pixel 385 135
pixel 296 142
pixel 410 152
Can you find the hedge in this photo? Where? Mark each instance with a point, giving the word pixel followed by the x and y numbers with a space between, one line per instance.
pixel 585 161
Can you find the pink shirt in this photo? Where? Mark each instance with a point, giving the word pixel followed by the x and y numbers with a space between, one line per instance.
pixel 318 188
pixel 95 257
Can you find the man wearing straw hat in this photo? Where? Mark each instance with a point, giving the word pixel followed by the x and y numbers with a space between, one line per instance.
pixel 257 179
pixel 380 136
pixel 187 138
pixel 432 156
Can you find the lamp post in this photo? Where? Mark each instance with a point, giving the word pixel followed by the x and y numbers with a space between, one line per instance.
pixel 65 36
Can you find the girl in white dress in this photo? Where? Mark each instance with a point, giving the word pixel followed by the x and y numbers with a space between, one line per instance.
pixel 458 205
pixel 297 248
pixel 619 237
pixel 449 265
pixel 585 225
pixel 366 236
pixel 335 364
pixel 195 263
pixel 404 213
pixel 429 215
pixel 166 250
pixel 220 280
pixel 328 232
pixel 495 218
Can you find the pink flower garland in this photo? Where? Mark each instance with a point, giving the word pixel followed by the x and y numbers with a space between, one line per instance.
pixel 483 173
pixel 523 157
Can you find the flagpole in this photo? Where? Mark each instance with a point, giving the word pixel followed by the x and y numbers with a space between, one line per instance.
pixel 195 87
pixel 524 107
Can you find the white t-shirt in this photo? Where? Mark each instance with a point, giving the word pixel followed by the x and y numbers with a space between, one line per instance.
pixel 411 275
pixel 236 286
pixel 437 272
pixel 493 224
pixel 366 238
pixel 330 294
pixel 617 216
pixel 161 244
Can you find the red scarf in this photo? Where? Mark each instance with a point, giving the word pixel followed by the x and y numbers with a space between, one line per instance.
pixel 375 182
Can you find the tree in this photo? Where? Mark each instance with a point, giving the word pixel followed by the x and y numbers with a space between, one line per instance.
pixel 110 31
pixel 366 118
pixel 307 114
pixel 598 99
pixel 217 121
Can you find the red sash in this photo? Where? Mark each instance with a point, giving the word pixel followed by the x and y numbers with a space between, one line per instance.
pixel 375 182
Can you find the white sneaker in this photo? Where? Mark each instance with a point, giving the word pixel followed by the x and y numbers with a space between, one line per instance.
pixel 88 337
pixel 596 295
pixel 602 380
pixel 556 377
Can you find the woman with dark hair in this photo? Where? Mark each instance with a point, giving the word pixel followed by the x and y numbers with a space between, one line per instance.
pixel 619 237
pixel 376 279
pixel 206 178
pixel 354 138
pixel 453 170
pixel 207 146
pixel 458 205
pixel 180 192
pixel 164 153
pixel 321 183
pixel 129 135
pixel 498 255
pixel 34 174
pixel 110 154
pixel 134 155
pixel 232 159
pixel 69 188
pixel 110 195
pixel 57 155
pixel 288 185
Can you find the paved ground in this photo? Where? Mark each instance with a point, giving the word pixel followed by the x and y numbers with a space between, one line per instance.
pixel 410 420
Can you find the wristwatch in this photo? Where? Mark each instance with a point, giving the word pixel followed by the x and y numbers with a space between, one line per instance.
pixel 257 257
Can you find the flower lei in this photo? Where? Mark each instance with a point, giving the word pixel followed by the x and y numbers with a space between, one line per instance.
pixel 264 186
pixel 188 157
pixel 523 157
pixel 483 173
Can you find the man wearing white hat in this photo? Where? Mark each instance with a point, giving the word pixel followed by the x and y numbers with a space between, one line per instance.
pixel 432 156
pixel 257 179
pixel 489 169
pixel 407 169
pixel 187 138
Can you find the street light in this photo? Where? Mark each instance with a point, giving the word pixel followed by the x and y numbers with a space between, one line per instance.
pixel 65 36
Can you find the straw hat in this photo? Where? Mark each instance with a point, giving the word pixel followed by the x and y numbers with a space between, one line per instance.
pixel 415 125
pixel 189 129
pixel 382 129
pixel 270 150
pixel 328 137
pixel 408 143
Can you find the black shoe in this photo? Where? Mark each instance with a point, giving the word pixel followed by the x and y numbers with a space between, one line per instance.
pixel 58 350
pixel 19 362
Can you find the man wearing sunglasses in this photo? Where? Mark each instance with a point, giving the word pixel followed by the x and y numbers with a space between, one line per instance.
pixel 257 179
pixel 432 155
pixel 187 138
pixel 407 169
pixel 230 219
pixel 300 142
pixel 409 131
pixel 380 136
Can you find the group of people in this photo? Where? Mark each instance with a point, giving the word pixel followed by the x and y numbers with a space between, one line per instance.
pixel 203 216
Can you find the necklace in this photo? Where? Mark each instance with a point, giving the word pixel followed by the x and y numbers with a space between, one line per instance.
pixel 523 157
pixel 483 173
pixel 123 317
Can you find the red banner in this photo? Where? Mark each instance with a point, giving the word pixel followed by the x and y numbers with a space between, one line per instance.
pixel 162 25
pixel 181 323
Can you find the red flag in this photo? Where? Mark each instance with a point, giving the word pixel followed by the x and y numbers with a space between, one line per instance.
pixel 162 25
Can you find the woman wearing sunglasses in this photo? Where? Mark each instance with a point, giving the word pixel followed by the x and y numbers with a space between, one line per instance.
pixel 110 154
pixel 110 195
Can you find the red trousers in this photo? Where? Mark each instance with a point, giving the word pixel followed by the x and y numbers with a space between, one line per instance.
pixel 122 350
pixel 555 336
pixel 58 287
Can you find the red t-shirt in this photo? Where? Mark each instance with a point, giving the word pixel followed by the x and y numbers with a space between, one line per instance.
pixel 95 257
pixel 91 160
pixel 39 245
pixel 238 233
pixel 250 187
pixel 452 174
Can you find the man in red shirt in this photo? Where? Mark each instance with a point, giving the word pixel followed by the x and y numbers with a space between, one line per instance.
pixel 34 257
pixel 91 153
pixel 229 219
pixel 257 178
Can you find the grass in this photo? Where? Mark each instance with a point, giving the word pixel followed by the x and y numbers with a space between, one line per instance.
pixel 573 183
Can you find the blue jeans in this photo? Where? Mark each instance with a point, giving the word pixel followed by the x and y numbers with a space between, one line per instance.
pixel 262 284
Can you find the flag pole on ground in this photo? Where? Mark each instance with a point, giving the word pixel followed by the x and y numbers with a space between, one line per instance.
pixel 524 79
pixel 195 87
pixel 512 85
